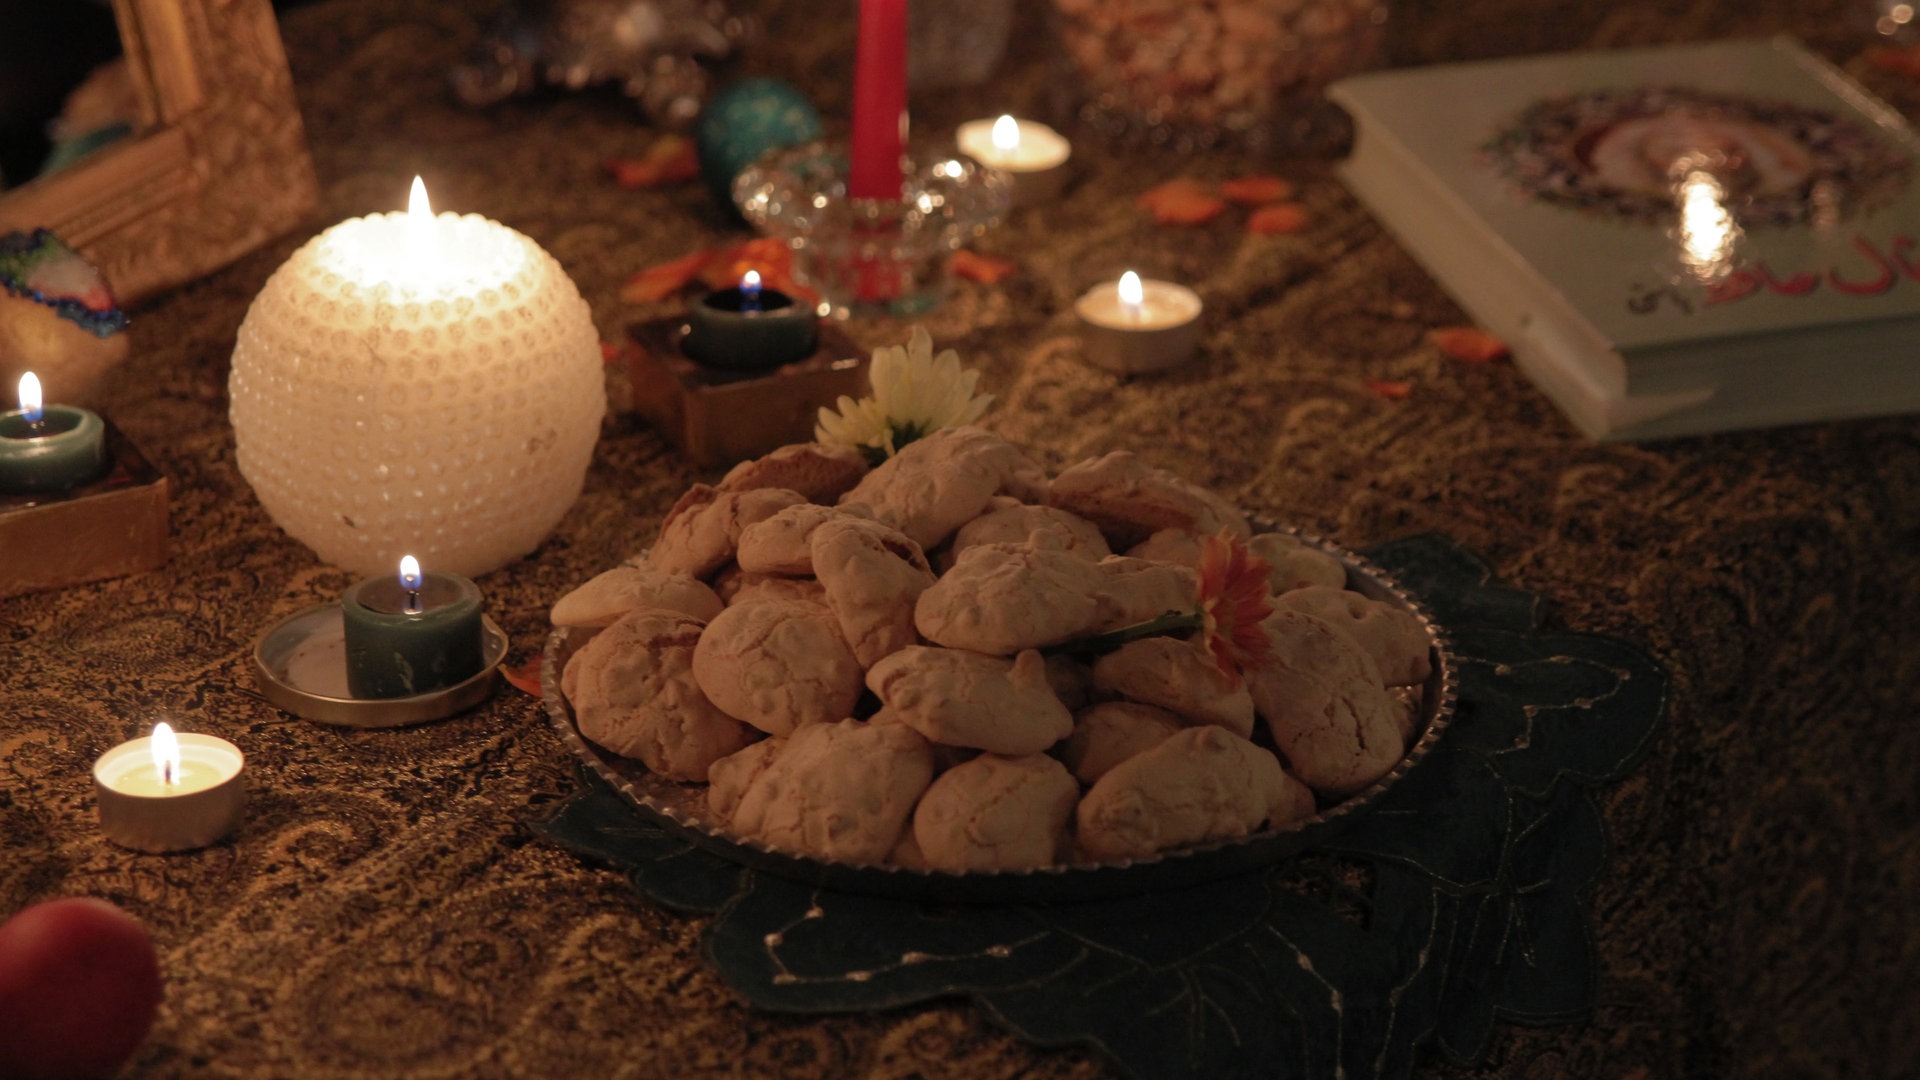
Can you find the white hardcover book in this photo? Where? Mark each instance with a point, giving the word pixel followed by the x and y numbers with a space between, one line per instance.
pixel 1671 240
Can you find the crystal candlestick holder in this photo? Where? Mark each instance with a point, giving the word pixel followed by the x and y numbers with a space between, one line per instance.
pixel 871 256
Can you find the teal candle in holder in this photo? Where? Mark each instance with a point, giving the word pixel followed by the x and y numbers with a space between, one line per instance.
pixel 49 448
pixel 411 634
pixel 749 328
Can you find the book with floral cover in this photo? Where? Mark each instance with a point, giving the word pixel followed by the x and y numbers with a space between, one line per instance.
pixel 1672 240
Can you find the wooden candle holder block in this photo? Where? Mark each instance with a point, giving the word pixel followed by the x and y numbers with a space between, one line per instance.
pixel 106 528
pixel 720 417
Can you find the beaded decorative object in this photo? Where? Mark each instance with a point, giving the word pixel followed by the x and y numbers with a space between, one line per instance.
pixel 445 405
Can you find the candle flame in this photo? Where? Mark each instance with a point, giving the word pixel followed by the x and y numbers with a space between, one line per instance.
pixel 409 573
pixel 166 754
pixel 30 397
pixel 423 254
pixel 1006 135
pixel 1132 294
pixel 750 291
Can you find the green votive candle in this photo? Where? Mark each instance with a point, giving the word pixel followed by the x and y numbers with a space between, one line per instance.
pixel 749 328
pixel 51 448
pixel 411 634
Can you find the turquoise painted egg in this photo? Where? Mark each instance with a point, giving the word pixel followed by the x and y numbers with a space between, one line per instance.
pixel 745 120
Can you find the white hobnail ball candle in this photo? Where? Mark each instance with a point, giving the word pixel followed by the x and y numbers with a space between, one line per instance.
pixel 408 383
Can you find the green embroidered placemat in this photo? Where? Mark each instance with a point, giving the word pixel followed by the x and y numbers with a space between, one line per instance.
pixel 1457 897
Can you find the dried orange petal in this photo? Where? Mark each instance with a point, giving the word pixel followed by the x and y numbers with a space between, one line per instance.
pixel 1179 188
pixel 1182 201
pixel 1391 389
pixel 524 677
pixel 772 258
pixel 663 280
pixel 1468 344
pixel 985 269
pixel 669 159
pixel 1256 190
pixel 1286 217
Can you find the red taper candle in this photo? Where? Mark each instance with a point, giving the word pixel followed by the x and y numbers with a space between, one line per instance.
pixel 879 100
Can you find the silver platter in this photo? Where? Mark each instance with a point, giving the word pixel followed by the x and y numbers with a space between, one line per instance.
pixel 682 806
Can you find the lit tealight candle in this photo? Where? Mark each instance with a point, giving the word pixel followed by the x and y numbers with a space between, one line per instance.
pixel 47 448
pixel 749 327
pixel 170 792
pixel 412 633
pixel 1133 325
pixel 1035 154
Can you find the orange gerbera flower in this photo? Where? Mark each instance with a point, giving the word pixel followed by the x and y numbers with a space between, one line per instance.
pixel 1235 596
pixel 1234 599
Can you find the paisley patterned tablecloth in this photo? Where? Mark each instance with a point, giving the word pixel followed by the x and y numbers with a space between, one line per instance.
pixel 388 909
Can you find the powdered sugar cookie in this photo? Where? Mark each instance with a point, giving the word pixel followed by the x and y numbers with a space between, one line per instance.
pixel 624 588
pixel 1180 677
pixel 996 813
pixel 873 575
pixel 938 483
pixel 1002 598
pixel 820 472
pixel 1109 733
pixel 1130 500
pixel 1199 784
pixel 700 532
pixel 840 791
pixel 1326 705
pixel 727 779
pixel 1294 564
pixel 1391 635
pixel 633 692
pixel 961 698
pixel 781 544
pixel 1010 521
pixel 777 665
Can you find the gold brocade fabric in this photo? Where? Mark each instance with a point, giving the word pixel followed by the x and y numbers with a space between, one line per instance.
pixel 384 912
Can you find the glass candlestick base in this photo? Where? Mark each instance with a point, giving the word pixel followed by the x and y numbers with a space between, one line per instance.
pixel 871 256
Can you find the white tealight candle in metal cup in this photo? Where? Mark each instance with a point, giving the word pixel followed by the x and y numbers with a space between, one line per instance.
pixel 1032 153
pixel 1136 325
pixel 170 792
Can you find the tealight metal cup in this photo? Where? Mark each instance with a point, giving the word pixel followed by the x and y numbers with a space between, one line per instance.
pixel 158 824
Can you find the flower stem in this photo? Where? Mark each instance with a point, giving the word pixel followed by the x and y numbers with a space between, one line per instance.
pixel 1170 623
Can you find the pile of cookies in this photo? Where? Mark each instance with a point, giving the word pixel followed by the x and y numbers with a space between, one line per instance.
pixel 875 665
pixel 1215 62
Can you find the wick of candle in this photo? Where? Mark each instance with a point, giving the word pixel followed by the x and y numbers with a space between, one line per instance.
pixel 410 581
pixel 166 773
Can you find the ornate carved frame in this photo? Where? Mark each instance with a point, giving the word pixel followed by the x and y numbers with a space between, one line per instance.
pixel 219 164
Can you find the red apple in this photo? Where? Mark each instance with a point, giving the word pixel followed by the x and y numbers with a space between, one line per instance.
pixel 79 984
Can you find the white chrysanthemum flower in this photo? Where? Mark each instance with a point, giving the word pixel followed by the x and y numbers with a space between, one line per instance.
pixel 914 394
pixel 858 424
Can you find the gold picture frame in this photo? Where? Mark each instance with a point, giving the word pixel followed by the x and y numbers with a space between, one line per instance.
pixel 217 165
